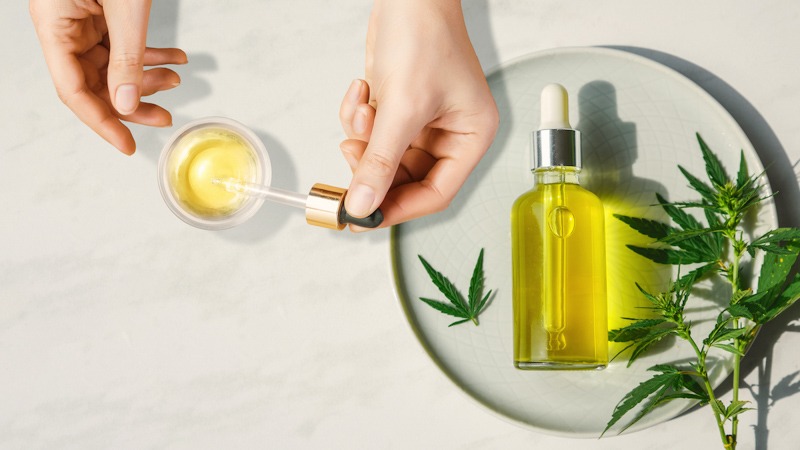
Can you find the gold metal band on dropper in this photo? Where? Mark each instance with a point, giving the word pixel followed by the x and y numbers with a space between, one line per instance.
pixel 323 205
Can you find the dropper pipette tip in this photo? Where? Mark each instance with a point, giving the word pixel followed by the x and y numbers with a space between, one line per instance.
pixel 230 184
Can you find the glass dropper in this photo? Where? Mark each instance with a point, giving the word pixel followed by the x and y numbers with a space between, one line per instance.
pixel 324 204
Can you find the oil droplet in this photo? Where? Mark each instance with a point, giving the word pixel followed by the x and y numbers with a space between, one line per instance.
pixel 561 221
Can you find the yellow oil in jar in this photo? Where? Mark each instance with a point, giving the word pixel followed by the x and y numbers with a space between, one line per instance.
pixel 200 157
pixel 559 276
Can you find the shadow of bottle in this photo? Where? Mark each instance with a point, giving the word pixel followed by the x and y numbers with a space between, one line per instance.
pixel 609 153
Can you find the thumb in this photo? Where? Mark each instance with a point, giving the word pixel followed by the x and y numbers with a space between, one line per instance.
pixel 127 31
pixel 394 127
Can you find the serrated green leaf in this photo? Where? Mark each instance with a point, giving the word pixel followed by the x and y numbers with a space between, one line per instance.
pixel 647 227
pixel 476 284
pixel 752 306
pixel 734 409
pixel 637 395
pixel 718 407
pixel 720 333
pixel 458 307
pixel 483 302
pixel 716 173
pixel 728 348
pixel 648 341
pixel 740 311
pixel 694 237
pixel 774 270
pixel 701 188
pixel 784 300
pixel 739 295
pixel 698 273
pixel 679 236
pixel 702 205
pixel 445 308
pixel 652 298
pixel 671 256
pixel 659 389
pixel 678 215
pixel 717 241
pixel 444 285
pixel 779 235
pixel 770 248
pixel 459 322
pixel 742 177
pixel 636 330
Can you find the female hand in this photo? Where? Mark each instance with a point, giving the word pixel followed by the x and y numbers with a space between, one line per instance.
pixel 424 116
pixel 95 51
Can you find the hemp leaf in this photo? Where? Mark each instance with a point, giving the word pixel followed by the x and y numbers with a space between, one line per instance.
pixel 670 383
pixel 712 250
pixel 458 307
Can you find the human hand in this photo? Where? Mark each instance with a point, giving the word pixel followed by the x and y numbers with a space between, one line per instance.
pixel 424 116
pixel 96 54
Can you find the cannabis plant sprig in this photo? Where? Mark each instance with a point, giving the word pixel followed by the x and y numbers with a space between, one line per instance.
pixel 712 250
pixel 458 307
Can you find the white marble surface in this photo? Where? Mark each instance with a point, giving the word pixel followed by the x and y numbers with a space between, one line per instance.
pixel 122 327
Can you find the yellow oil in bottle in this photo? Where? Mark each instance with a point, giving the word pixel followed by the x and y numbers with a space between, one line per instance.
pixel 202 156
pixel 559 276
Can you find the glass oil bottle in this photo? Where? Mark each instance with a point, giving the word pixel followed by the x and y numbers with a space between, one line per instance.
pixel 558 252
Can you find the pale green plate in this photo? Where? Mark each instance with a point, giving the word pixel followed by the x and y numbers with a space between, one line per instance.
pixel 638 120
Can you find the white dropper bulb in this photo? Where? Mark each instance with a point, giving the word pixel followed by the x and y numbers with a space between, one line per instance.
pixel 555 108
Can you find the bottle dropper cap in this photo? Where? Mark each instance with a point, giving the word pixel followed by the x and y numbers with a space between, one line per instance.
pixel 556 143
pixel 325 208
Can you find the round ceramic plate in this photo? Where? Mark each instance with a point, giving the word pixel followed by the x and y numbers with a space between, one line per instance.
pixel 638 120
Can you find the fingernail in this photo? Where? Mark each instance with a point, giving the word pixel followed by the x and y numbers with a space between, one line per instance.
pixel 360 122
pixel 354 92
pixel 127 99
pixel 359 200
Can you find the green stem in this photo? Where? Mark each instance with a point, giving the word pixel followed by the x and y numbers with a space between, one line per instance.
pixel 737 359
pixel 735 420
pixel 701 368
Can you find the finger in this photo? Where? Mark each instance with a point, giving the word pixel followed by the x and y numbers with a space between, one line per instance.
pixel 127 28
pixel 145 114
pixel 68 78
pixel 353 150
pixel 357 93
pixel 432 194
pixel 97 56
pixel 161 56
pixel 414 166
pixel 95 113
pixel 151 115
pixel 396 124
pixel 363 122
pixel 159 79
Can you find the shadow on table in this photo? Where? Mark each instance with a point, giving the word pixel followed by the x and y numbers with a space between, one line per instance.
pixel 162 32
pixel 783 178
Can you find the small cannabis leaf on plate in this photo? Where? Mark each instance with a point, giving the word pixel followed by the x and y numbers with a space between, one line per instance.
pixel 466 310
